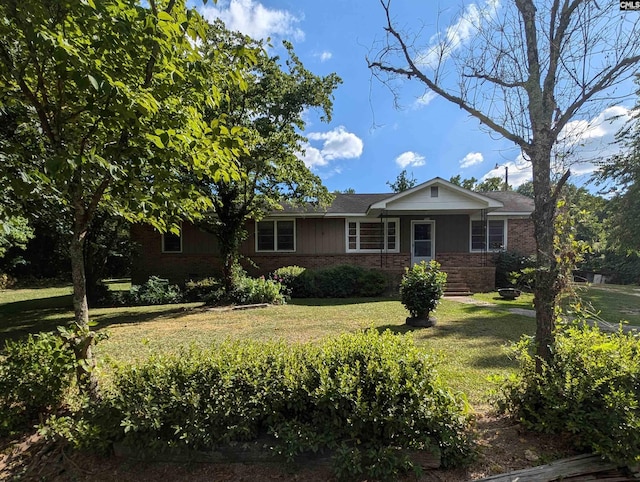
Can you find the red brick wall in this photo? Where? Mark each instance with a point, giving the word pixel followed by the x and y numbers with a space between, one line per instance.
pixel 388 262
pixel 521 236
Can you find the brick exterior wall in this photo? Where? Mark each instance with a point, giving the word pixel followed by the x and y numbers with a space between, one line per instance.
pixel 395 262
pixel 521 236
pixel 478 272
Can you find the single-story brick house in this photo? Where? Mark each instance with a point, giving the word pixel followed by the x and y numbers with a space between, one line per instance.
pixel 435 220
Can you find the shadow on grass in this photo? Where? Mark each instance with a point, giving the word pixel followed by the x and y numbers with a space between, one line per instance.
pixel 36 316
pixel 336 301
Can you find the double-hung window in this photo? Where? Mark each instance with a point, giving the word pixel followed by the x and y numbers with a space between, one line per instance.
pixel 172 243
pixel 491 239
pixel 276 235
pixel 373 235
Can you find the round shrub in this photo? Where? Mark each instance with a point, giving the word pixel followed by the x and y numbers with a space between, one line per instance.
pixel 422 287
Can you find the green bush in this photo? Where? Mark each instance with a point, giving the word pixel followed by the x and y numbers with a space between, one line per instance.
pixel 6 281
pixel 201 290
pixel 591 390
pixel 509 270
pixel 156 291
pixel 421 288
pixel 369 395
pixel 249 291
pixel 340 281
pixel 287 276
pixel 34 376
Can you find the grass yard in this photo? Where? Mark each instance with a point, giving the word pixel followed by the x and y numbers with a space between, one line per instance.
pixel 470 338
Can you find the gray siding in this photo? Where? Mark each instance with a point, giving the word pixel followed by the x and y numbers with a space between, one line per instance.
pixel 452 233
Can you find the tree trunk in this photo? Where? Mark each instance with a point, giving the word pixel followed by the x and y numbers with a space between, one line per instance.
pixel 546 280
pixel 82 341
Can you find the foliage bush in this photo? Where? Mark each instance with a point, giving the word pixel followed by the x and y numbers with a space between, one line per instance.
pixel 247 291
pixel 591 390
pixel 34 376
pixel 508 266
pixel 156 291
pixel 201 290
pixel 6 281
pixel 366 396
pixel 287 276
pixel 340 281
pixel 421 288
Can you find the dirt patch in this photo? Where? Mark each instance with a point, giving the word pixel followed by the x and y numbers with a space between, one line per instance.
pixel 503 446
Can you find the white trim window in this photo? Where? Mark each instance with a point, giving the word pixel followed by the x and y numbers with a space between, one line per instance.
pixel 493 239
pixel 369 235
pixel 172 243
pixel 276 235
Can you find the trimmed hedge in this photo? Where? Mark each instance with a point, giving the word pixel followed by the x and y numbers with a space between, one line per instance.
pixel 342 281
pixel 591 390
pixel 365 396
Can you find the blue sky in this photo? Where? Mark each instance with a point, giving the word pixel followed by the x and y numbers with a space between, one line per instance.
pixel 370 140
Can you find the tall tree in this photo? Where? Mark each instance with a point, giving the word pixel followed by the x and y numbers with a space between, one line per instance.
pixel 524 72
pixel 403 182
pixel 270 112
pixel 111 94
pixel 623 171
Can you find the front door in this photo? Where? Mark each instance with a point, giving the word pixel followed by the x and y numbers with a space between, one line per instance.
pixel 422 241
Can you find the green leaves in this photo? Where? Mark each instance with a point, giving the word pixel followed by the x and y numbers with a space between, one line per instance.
pixel 421 288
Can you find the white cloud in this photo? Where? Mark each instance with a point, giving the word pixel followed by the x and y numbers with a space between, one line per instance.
pixel 442 45
pixel 581 144
pixel 336 144
pixel 584 142
pixel 519 171
pixel 425 99
pixel 254 19
pixel 324 56
pixel 410 158
pixel 471 159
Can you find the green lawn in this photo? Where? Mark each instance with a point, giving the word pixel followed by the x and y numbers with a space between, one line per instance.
pixel 469 338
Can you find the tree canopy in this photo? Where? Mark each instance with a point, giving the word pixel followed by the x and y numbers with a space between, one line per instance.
pixel 108 102
pixel 403 182
pixel 270 115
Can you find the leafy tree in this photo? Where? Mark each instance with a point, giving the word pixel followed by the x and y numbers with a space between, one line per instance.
pixel 270 111
pixel 524 72
pixel 488 185
pixel 108 99
pixel 623 171
pixel 403 182
pixel 526 189
pixel 467 183
pixel 15 232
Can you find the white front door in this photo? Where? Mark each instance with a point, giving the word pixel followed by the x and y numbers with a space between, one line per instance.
pixel 422 241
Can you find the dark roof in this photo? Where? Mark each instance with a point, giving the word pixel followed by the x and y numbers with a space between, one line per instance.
pixel 359 203
pixel 513 202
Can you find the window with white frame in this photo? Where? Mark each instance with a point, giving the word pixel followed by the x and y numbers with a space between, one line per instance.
pixel 276 235
pixel 492 238
pixel 172 243
pixel 368 235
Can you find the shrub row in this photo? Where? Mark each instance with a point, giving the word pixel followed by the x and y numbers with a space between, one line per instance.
pixel 591 389
pixel 341 281
pixel 366 396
